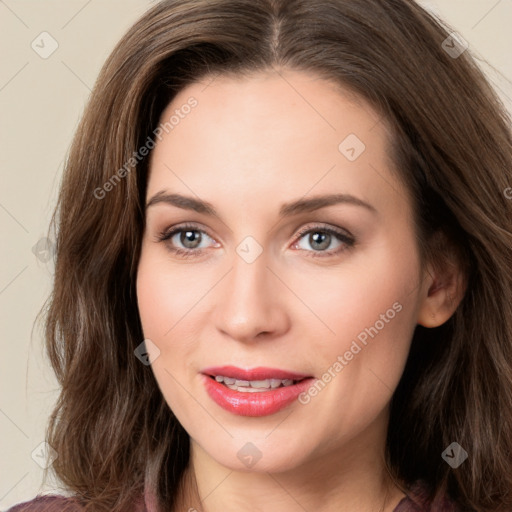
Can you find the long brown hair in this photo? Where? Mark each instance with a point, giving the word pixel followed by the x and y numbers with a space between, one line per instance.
pixel 452 148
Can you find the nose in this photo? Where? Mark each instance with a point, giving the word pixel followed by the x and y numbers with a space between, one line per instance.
pixel 250 303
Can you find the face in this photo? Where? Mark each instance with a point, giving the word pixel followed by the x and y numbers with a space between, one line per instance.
pixel 293 258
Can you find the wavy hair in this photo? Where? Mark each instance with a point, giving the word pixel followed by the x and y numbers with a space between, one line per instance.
pixel 452 147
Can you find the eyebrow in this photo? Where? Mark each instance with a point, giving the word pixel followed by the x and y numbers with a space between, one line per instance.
pixel 286 210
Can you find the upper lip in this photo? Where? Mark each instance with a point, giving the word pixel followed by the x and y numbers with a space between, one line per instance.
pixel 259 373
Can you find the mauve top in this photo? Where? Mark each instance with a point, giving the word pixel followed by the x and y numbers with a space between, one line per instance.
pixel 415 501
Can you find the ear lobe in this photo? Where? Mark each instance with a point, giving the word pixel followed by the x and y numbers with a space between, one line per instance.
pixel 442 295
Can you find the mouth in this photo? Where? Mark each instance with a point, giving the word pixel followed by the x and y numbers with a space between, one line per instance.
pixel 254 386
pixel 256 392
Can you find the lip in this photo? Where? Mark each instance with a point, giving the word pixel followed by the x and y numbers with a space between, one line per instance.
pixel 261 403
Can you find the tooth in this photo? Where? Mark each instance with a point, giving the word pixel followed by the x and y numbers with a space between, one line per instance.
pixel 275 383
pixel 260 383
pixel 253 385
pixel 245 389
pixel 250 390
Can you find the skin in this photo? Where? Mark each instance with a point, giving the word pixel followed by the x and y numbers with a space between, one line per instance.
pixel 251 144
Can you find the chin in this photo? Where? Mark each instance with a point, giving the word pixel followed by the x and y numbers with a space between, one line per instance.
pixel 257 454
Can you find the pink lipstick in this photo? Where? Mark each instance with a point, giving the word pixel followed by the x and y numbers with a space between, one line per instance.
pixel 256 392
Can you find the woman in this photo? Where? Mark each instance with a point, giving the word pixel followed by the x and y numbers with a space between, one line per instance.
pixel 283 268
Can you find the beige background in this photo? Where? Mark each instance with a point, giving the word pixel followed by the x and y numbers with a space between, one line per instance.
pixel 41 101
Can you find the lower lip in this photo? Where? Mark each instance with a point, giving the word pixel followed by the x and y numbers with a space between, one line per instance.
pixel 260 403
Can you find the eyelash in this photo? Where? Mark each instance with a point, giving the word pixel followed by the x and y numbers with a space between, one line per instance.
pixel 187 253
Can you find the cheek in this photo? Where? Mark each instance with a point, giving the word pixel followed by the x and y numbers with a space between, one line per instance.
pixel 372 315
pixel 152 300
pixel 162 310
pixel 164 295
pixel 171 304
pixel 368 313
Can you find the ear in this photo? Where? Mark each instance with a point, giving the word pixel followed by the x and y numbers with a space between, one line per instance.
pixel 442 291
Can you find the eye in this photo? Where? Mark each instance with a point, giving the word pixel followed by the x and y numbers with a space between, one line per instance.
pixel 320 238
pixel 185 240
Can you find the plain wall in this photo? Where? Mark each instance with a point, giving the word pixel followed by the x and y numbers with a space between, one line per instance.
pixel 41 101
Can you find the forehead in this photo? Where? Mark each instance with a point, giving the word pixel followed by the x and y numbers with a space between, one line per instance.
pixel 251 133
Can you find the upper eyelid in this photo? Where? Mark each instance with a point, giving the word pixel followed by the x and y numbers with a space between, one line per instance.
pixel 325 227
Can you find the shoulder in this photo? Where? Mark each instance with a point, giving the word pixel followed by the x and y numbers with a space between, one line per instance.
pixel 48 503
pixel 417 500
